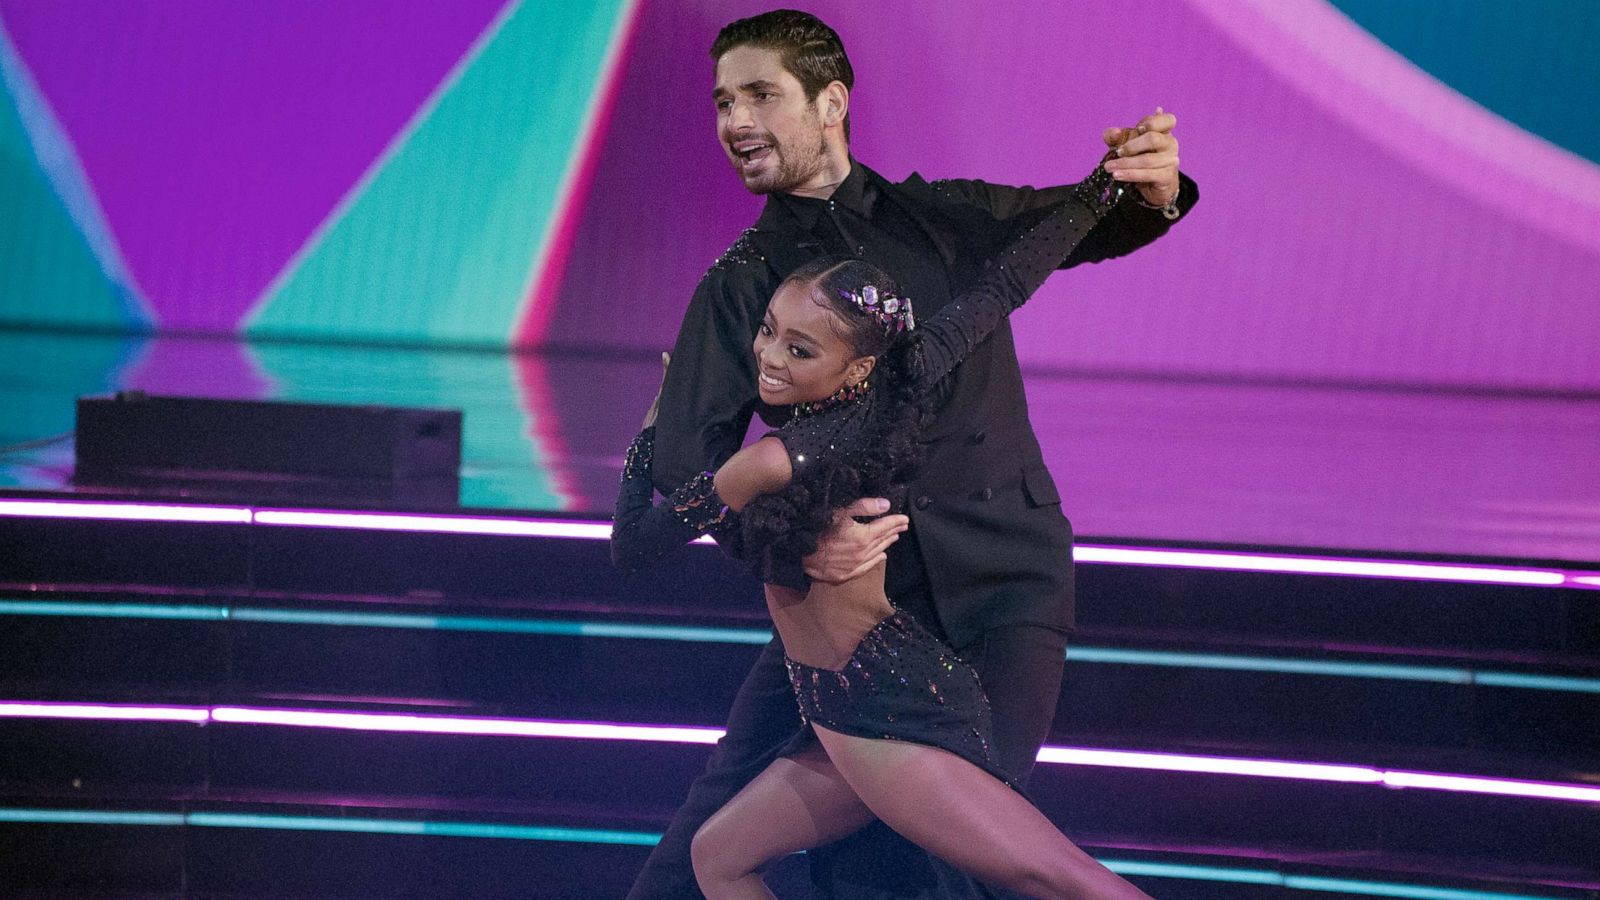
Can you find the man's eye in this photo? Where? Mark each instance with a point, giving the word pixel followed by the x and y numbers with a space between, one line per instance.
pixel 763 95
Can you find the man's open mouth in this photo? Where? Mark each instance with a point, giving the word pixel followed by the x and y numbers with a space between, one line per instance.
pixel 751 152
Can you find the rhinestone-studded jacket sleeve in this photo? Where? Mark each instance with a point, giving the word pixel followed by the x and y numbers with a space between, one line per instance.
pixel 643 531
pixel 1124 229
pixel 1012 276
pixel 710 389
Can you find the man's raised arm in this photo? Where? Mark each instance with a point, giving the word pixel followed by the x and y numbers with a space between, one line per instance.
pixel 1150 165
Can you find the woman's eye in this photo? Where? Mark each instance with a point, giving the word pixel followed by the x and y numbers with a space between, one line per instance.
pixel 799 351
pixel 765 330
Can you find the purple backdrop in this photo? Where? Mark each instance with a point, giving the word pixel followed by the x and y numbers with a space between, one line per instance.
pixel 1318 253
pixel 218 136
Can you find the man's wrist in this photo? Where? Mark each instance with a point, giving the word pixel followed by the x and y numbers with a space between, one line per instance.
pixel 1168 209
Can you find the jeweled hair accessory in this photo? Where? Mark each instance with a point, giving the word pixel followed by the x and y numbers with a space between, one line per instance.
pixel 894 313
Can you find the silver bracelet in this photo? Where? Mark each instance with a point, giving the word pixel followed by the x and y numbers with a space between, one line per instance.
pixel 1169 209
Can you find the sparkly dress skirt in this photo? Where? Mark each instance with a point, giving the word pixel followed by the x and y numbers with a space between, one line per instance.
pixel 901 684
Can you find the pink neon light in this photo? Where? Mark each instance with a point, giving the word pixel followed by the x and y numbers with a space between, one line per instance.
pixel 675 734
pixel 134 512
pixel 1210 765
pixel 437 524
pixel 400 722
pixel 1508 787
pixel 197 715
pixel 592 530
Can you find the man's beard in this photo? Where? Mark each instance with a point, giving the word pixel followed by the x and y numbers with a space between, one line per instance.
pixel 792 170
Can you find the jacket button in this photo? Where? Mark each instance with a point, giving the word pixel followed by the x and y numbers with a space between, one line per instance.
pixel 923 502
pixel 986 494
pixel 977 437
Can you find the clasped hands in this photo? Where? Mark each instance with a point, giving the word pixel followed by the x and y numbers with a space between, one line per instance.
pixel 1147 157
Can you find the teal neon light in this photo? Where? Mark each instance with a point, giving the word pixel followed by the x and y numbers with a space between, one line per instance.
pixel 1538 682
pixel 677 633
pixel 306 823
pixel 1386 889
pixel 758 636
pixel 1147 869
pixel 1136 868
pixel 1267 664
pixel 316 617
pixel 112 610
pixel 542 833
pixel 88 817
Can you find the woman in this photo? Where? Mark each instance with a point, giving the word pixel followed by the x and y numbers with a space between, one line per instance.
pixel 896 726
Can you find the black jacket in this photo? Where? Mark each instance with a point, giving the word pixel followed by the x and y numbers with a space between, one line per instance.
pixel 996 548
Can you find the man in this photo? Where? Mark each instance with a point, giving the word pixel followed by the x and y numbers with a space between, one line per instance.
pixel 984 558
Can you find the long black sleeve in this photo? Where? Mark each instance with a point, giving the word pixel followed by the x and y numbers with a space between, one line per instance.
pixel 1124 229
pixel 710 389
pixel 643 531
pixel 1034 251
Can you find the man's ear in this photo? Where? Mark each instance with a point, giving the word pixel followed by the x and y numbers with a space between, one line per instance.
pixel 835 103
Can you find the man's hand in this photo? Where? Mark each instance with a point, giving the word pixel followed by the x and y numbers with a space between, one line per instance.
pixel 1147 157
pixel 655 405
pixel 851 549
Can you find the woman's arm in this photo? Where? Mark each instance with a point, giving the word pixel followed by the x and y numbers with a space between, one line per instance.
pixel 1012 275
pixel 644 531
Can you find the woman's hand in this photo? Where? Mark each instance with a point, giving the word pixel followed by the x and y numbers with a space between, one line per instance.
pixel 655 405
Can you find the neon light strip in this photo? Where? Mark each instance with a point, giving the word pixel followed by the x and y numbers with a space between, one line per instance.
pixel 112 712
pixel 436 524
pixel 759 636
pixel 590 530
pixel 681 734
pixel 128 512
pixel 1149 869
pixel 414 724
pixel 493 830
pixel 88 817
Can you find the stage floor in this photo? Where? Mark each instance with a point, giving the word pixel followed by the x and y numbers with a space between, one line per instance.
pixel 1458 474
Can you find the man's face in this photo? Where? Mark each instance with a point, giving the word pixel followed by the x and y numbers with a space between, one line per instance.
pixel 768 128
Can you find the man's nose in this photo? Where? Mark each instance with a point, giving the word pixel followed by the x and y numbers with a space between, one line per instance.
pixel 739 117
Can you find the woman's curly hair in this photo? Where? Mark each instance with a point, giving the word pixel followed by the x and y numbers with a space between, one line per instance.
pixel 788 523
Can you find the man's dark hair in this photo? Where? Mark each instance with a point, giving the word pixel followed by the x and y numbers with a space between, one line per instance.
pixel 808 48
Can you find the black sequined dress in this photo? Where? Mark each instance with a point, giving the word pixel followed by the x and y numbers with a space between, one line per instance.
pixel 901 682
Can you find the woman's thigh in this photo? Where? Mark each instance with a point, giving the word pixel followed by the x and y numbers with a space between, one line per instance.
pixel 798 802
pixel 948 806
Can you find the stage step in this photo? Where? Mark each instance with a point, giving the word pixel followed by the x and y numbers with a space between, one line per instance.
pixel 1174 668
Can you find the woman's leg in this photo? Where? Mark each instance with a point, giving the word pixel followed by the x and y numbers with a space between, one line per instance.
pixel 957 811
pixel 796 803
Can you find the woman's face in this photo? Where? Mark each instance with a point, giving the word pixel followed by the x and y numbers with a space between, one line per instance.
pixel 800 356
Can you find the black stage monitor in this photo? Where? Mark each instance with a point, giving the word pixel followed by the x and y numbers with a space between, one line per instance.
pixel 246 449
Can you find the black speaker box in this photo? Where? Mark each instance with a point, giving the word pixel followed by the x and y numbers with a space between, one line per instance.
pixel 247 449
